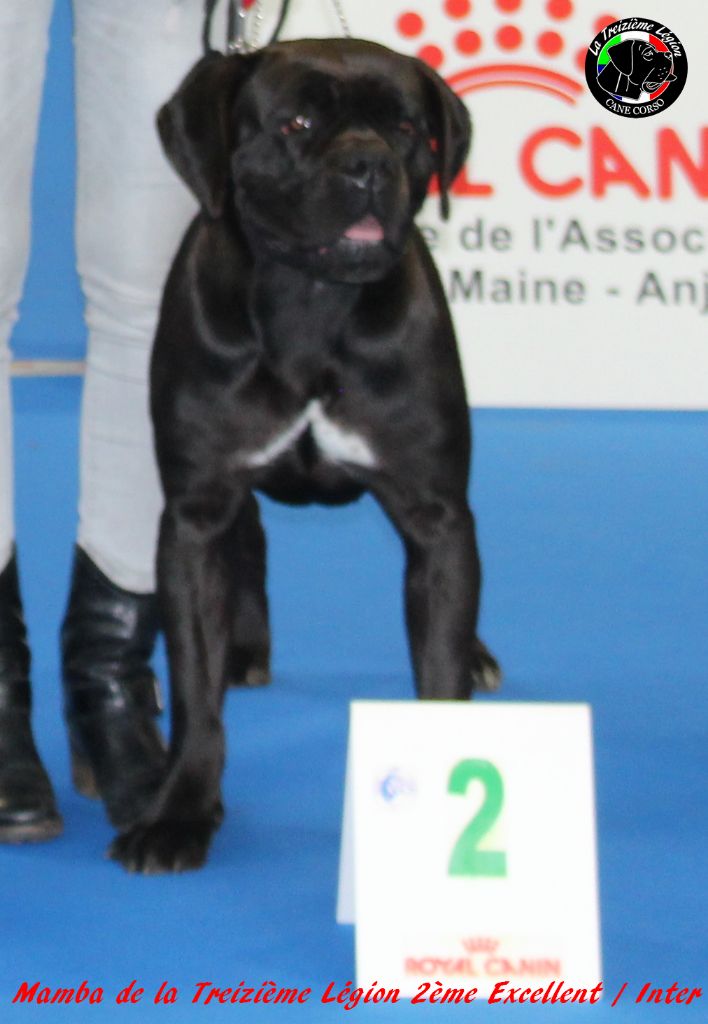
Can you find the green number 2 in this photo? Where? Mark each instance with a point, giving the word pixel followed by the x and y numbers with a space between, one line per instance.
pixel 466 858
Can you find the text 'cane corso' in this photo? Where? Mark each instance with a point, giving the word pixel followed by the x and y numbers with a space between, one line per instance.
pixel 304 350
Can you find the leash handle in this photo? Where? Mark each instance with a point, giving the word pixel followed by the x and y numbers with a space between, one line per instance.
pixel 209 6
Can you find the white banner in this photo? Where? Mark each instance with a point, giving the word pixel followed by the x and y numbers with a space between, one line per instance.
pixel 575 256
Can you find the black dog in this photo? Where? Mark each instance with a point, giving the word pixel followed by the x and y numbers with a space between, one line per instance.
pixel 635 67
pixel 304 350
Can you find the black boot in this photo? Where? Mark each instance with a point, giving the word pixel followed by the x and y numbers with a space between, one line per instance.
pixel 111 694
pixel 28 812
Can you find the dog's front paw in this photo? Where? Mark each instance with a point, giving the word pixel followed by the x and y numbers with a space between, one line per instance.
pixel 164 846
pixel 486 672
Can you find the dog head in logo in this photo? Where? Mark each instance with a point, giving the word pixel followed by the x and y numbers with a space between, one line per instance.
pixel 635 67
pixel 320 151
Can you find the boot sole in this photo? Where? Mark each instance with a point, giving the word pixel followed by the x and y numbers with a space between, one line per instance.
pixel 32 832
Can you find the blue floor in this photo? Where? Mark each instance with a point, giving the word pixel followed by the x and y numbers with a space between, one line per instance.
pixel 593 533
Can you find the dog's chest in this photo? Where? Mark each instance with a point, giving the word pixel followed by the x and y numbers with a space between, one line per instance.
pixel 332 441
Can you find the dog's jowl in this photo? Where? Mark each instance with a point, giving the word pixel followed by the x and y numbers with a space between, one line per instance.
pixel 304 350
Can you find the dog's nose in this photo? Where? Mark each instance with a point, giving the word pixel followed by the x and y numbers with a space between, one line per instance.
pixel 366 170
pixel 365 163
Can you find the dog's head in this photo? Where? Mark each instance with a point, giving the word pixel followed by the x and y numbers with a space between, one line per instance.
pixel 323 149
pixel 642 63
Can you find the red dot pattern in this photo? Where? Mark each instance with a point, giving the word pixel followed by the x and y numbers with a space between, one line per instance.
pixel 559 9
pixel 468 42
pixel 458 8
pixel 509 37
pixel 432 55
pixel 549 44
pixel 604 20
pixel 410 24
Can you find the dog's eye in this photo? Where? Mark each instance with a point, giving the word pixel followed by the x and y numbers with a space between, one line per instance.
pixel 407 127
pixel 300 123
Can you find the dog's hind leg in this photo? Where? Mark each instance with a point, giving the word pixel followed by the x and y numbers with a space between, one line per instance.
pixel 248 660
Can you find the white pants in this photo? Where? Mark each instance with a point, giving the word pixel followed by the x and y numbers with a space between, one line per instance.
pixel 131 212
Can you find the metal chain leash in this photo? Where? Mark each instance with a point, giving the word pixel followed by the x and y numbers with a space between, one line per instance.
pixel 343 23
pixel 245 22
pixel 257 25
pixel 236 27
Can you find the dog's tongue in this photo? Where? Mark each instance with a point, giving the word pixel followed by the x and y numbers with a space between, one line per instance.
pixel 366 230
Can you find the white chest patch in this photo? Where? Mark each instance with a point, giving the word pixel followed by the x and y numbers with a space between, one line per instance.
pixel 333 442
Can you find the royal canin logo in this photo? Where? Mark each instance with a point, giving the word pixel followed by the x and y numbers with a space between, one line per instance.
pixel 523 44
pixel 503 33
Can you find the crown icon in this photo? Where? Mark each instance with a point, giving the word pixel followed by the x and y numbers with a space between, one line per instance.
pixel 511 43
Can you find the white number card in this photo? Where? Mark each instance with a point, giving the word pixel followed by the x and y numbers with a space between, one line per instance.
pixel 469 848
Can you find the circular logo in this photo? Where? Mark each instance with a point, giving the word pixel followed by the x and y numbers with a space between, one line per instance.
pixel 636 67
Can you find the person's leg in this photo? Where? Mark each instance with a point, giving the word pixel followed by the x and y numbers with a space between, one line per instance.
pixel 27 808
pixel 132 211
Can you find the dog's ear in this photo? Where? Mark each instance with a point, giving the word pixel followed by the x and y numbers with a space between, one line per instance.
pixel 195 125
pixel 622 55
pixel 451 131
